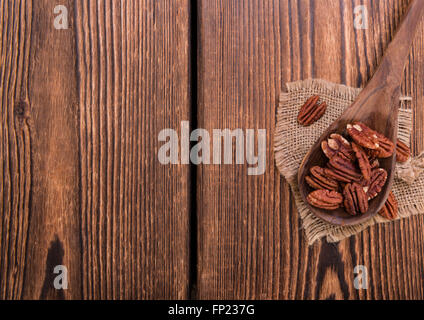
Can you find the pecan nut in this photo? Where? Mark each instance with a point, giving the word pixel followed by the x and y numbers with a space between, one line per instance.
pixel 342 170
pixel 337 145
pixel 311 111
pixel 319 180
pixel 363 135
pixel 403 153
pixel 325 199
pixel 355 199
pixel 374 163
pixel 376 184
pixel 386 147
pixel 363 162
pixel 390 208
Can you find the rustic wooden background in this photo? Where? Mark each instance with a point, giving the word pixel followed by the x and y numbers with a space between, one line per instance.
pixel 80 183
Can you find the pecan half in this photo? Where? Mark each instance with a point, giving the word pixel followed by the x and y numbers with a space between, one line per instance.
pixel 377 182
pixel 311 111
pixel 355 199
pixel 363 135
pixel 342 170
pixel 403 153
pixel 319 180
pixel 363 162
pixel 325 199
pixel 372 154
pixel 386 147
pixel 390 209
pixel 374 163
pixel 337 145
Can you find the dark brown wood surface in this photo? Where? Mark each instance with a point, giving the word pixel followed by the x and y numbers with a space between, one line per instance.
pixel 81 184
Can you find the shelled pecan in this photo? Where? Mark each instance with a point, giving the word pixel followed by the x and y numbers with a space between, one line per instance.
pixel 325 199
pixel 363 135
pixel 374 163
pixel 377 182
pixel 386 147
pixel 338 145
pixel 403 153
pixel 363 162
pixel 311 111
pixel 355 199
pixel 390 208
pixel 318 179
pixel 343 170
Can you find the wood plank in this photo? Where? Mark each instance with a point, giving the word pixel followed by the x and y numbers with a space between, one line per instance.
pixel 40 223
pixel 80 181
pixel 15 151
pixel 250 242
pixel 134 82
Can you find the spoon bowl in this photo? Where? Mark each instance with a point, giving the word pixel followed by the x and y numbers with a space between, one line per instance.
pixel 378 120
pixel 377 107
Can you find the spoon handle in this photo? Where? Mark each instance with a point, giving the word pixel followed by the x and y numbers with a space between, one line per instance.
pixel 392 66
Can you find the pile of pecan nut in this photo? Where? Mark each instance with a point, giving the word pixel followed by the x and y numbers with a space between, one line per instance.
pixel 352 176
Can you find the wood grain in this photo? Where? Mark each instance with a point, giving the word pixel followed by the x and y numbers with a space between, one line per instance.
pixel 40 171
pixel 134 82
pixel 15 151
pixel 53 111
pixel 251 245
pixel 80 182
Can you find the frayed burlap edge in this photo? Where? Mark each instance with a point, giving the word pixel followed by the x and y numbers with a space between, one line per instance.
pixel 288 161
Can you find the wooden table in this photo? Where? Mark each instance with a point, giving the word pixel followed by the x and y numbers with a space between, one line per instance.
pixel 81 184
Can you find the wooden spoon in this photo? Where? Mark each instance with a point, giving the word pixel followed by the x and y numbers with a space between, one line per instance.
pixel 376 106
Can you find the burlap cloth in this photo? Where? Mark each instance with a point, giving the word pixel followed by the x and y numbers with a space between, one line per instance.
pixel 293 141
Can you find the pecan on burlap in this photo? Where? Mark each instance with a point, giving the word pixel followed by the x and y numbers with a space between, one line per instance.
pixel 403 153
pixel 355 199
pixel 363 135
pixel 390 208
pixel 318 179
pixel 311 111
pixel 325 199
pixel 337 145
pixel 363 162
pixel 342 170
pixel 376 184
